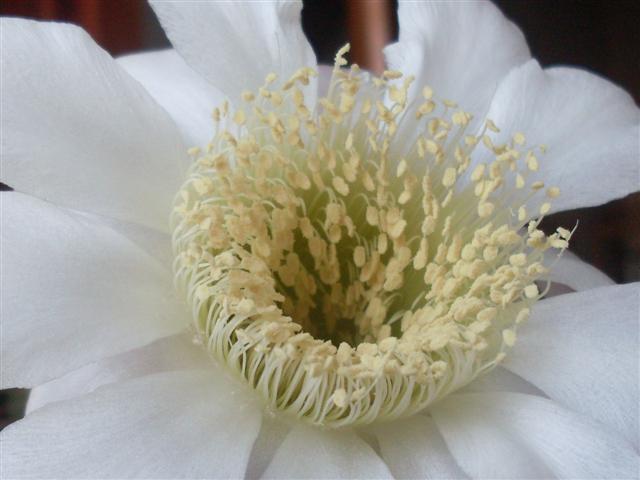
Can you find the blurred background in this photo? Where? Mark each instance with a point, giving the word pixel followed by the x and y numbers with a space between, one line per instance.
pixel 602 37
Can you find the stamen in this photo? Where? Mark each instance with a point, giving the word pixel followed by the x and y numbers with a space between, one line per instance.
pixel 347 275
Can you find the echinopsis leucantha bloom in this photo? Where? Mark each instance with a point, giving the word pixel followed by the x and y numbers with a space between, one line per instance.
pixel 354 257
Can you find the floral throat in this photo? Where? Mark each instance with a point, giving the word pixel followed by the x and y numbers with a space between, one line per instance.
pixel 350 272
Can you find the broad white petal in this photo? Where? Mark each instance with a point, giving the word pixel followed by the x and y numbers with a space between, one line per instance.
pixel 460 49
pixel 481 446
pixel 512 435
pixel 590 128
pixel 176 352
pixel 168 425
pixel 576 274
pixel 78 131
pixel 272 433
pixel 234 45
pixel 501 380
pixel 413 448
pixel 75 290
pixel 325 72
pixel 581 349
pixel 309 452
pixel 183 93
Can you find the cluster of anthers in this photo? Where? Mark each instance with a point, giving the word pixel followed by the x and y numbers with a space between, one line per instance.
pixel 348 274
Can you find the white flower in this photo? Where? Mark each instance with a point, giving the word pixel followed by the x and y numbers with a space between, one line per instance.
pixel 384 216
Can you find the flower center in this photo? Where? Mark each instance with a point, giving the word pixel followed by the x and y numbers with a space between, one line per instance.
pixel 349 270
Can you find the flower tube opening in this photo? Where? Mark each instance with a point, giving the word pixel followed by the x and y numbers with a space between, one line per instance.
pixel 350 274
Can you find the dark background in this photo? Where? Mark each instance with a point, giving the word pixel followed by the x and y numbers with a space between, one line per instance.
pixel 603 37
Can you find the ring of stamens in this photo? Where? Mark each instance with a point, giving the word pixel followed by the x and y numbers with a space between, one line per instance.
pixel 348 273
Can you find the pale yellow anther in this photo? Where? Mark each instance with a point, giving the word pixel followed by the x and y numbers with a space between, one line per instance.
pixel 359 256
pixel 276 99
pixel 558 243
pixel 340 61
pixel 367 182
pixel 340 186
pixel 383 243
pixel 518 260
pixel 564 233
pixel 425 109
pixel 522 214
pixel 420 260
pixel 487 314
pixel 348 143
pixel 545 208
pixel 372 215
pixel 468 252
pixel 264 93
pixel 509 337
pixel 449 177
pixel 402 168
pixel 427 93
pixel 248 96
pixel 404 197
pixel 522 316
pixel 432 147
pixel 240 117
pixel 334 213
pixel 491 126
pixel 393 215
pixel 485 209
pixel 461 118
pixel 302 181
pixel 553 192
pixel 298 97
pixel 487 142
pixel 392 74
pixel 478 172
pixel 531 291
pixel 398 95
pixel 397 229
pixel 490 253
pixel 519 138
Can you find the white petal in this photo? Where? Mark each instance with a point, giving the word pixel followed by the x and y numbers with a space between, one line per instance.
pixel 167 425
pixel 460 49
pixel 75 290
pixel 512 435
pixel 581 349
pixel 77 130
pixel 569 270
pixel 480 445
pixel 309 452
pixel 501 380
pixel 234 45
pixel 176 352
pixel 413 448
pixel 325 72
pixel 589 125
pixel 183 93
pixel 272 433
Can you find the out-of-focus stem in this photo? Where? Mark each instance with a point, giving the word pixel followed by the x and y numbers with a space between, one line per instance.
pixel 370 29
